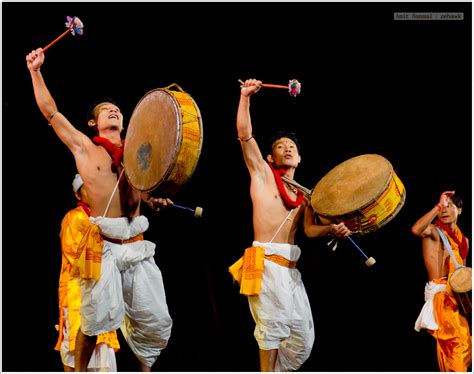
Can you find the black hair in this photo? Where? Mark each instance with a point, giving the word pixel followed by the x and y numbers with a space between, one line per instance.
pixel 282 134
pixel 90 112
pixel 456 199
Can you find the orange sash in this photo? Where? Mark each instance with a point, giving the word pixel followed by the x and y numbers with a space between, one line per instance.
pixel 453 338
pixel 248 270
pixel 89 255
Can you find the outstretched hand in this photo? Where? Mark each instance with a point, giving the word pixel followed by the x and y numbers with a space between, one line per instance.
pixel 444 199
pixel 250 87
pixel 35 59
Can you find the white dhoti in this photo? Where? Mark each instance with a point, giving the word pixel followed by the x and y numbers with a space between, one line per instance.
pixel 426 319
pixel 130 292
pixel 102 359
pixel 282 312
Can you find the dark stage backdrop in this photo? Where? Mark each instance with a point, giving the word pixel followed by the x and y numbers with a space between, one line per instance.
pixel 370 84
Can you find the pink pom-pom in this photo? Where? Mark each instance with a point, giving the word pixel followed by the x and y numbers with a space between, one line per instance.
pixel 75 25
pixel 294 87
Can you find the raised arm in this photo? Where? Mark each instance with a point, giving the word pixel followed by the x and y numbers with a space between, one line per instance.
pixel 423 227
pixel 74 139
pixel 252 155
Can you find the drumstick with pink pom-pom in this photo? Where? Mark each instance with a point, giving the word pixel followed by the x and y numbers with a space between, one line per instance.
pixel 294 87
pixel 74 26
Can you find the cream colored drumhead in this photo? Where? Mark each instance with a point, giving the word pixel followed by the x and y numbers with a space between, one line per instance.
pixel 351 185
pixel 461 280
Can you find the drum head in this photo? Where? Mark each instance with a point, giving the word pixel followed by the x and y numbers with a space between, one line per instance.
pixel 351 185
pixel 153 140
pixel 461 280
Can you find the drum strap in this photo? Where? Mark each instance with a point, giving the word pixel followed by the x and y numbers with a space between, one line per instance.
pixel 128 201
pixel 286 218
pixel 460 240
pixel 113 193
pixel 448 247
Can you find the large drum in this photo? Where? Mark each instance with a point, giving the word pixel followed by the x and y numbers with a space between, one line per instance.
pixel 461 283
pixel 363 192
pixel 163 141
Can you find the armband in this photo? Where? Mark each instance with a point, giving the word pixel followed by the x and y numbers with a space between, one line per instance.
pixel 51 117
pixel 245 140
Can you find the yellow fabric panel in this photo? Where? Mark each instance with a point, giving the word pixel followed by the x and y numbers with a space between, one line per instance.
pixel 73 228
pixel 88 258
pixel 248 271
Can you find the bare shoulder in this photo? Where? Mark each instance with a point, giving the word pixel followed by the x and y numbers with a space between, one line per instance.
pixel 262 177
pixel 431 233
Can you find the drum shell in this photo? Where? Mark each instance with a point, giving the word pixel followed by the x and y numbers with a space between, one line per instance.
pixel 460 282
pixel 361 214
pixel 163 142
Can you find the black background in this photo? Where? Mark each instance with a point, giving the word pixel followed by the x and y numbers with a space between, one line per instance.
pixel 370 84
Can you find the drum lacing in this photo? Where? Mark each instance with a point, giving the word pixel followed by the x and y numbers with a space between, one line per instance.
pixel 189 114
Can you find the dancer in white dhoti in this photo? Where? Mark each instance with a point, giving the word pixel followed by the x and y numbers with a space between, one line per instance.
pixel 267 272
pixel 130 292
pixel 106 301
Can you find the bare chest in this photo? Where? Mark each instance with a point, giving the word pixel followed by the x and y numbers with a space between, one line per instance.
pixel 272 216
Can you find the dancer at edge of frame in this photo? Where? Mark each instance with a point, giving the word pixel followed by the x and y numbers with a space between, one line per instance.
pixel 121 285
pixel 440 314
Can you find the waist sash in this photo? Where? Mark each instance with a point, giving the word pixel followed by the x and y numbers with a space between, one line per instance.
pixel 248 270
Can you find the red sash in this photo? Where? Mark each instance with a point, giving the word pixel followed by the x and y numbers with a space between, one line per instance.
pixel 462 243
pixel 281 187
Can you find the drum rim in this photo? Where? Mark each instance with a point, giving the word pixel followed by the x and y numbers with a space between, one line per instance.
pixel 201 138
pixel 201 128
pixel 179 137
pixel 368 202
pixel 178 140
